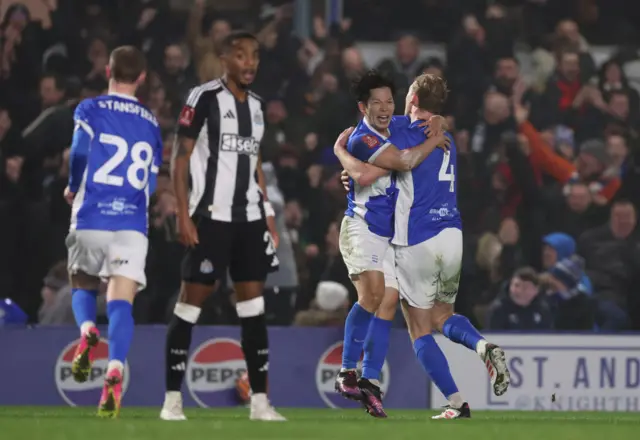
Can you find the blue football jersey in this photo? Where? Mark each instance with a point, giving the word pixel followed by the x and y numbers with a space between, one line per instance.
pixel 427 195
pixel 373 203
pixel 114 161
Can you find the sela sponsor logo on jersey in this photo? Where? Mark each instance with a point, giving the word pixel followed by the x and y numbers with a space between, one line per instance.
pixel 239 144
pixel 186 116
pixel 328 368
pixel 87 393
pixel 370 140
pixel 212 371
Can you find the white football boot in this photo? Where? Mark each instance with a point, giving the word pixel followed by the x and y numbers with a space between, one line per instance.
pixel 172 408
pixel 261 409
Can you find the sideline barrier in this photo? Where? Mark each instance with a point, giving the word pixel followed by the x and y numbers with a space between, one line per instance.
pixel 36 365
pixel 550 372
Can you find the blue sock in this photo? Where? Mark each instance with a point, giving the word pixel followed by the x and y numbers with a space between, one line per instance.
pixel 460 330
pixel 120 329
pixel 356 327
pixel 375 348
pixel 435 364
pixel 83 303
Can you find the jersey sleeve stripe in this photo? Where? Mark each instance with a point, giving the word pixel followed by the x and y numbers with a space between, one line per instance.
pixel 196 92
pixel 86 127
pixel 375 155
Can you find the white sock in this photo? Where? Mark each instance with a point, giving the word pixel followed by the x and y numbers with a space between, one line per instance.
pixel 259 398
pixel 481 348
pixel 376 382
pixel 172 395
pixel 456 400
pixel 86 326
pixel 115 364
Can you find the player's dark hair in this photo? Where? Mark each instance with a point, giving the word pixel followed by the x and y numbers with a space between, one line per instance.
pixel 527 274
pixel 229 40
pixel 432 92
pixel 371 80
pixel 127 63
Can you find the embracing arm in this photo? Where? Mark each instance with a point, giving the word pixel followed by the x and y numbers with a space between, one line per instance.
pixel 405 160
pixel 364 174
pixel 182 149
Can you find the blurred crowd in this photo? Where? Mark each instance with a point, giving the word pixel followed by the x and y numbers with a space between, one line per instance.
pixel 549 165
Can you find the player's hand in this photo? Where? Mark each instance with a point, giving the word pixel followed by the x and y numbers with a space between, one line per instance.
pixel 345 179
pixel 341 142
pixel 441 141
pixel 187 231
pixel 68 195
pixel 271 226
pixel 436 125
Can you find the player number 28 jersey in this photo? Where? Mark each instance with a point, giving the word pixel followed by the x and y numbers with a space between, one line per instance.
pixel 427 195
pixel 374 204
pixel 124 152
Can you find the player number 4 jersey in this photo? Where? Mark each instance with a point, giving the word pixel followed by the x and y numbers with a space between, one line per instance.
pixel 427 195
pixel 122 148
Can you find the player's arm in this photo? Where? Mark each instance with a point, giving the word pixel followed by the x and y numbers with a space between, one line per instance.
pixel 391 157
pixel 269 212
pixel 364 174
pixel 80 146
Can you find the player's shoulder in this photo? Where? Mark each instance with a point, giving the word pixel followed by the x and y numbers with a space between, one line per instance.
pixel 363 134
pixel 400 122
pixel 204 92
pixel 257 97
pixel 85 106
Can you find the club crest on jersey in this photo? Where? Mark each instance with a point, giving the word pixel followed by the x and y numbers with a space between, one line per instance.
pixel 186 116
pixel 87 393
pixel 212 371
pixel 257 118
pixel 206 267
pixel 371 141
pixel 328 368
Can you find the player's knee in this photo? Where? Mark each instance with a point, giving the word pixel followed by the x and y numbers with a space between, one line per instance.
pixel 194 294
pixel 121 288
pixel 440 313
pixel 82 280
pixel 370 287
pixel 248 290
pixel 389 305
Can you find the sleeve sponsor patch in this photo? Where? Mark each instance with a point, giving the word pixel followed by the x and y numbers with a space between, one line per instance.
pixel 371 141
pixel 186 116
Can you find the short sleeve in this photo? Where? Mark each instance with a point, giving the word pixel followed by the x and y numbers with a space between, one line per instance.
pixel 194 113
pixel 82 117
pixel 157 152
pixel 367 147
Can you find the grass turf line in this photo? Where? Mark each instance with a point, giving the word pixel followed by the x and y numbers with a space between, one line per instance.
pixel 65 423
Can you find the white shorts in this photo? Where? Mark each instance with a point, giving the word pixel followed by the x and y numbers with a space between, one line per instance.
pixel 361 249
pixel 107 253
pixel 428 271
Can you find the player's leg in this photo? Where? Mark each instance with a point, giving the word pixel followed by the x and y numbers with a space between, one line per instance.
pixel 125 269
pixel 85 259
pixel 457 328
pixel 252 258
pixel 376 344
pixel 417 268
pixel 200 268
pixel 363 254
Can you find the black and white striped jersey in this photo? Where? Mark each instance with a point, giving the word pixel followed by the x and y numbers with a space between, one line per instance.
pixel 228 132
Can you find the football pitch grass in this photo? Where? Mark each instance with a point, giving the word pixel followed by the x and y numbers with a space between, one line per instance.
pixel 65 423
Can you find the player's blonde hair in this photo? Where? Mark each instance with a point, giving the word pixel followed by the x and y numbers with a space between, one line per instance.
pixel 431 92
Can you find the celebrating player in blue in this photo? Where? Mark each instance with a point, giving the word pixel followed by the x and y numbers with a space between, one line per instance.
pixel 423 266
pixel 368 222
pixel 114 160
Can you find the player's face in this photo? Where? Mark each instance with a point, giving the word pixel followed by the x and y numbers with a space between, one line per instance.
pixel 242 61
pixel 380 107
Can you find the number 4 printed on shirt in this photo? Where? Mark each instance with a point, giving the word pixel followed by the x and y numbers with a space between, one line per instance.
pixel 443 175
